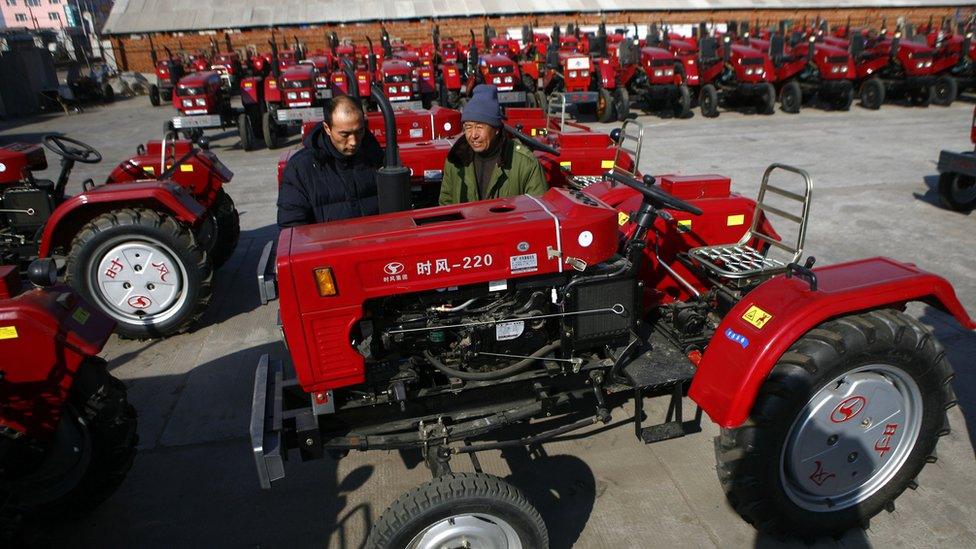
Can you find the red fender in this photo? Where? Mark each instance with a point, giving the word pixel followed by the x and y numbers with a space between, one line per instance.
pixel 740 355
pixel 252 90
pixel 68 218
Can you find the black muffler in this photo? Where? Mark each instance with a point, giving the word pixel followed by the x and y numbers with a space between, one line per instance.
pixel 393 179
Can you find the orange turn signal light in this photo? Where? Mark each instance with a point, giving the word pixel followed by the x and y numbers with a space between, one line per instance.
pixel 325 282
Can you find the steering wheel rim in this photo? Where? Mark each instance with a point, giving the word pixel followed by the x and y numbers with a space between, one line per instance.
pixel 656 195
pixel 86 154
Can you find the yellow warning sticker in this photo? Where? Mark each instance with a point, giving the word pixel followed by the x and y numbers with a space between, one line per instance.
pixel 566 164
pixel 736 220
pixel 8 332
pixel 684 225
pixel 533 132
pixel 622 218
pixel 606 164
pixel 149 169
pixel 757 317
pixel 186 167
pixel 81 316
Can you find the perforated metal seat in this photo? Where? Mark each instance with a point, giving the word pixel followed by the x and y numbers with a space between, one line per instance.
pixel 743 259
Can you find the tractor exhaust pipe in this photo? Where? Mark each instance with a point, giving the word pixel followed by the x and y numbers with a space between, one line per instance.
pixel 393 179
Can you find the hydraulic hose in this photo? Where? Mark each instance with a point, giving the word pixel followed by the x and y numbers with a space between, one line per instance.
pixel 497 374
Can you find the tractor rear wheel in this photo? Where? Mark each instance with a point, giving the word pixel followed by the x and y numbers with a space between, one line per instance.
pixel 945 91
pixel 604 106
pixel 791 97
pixel 767 99
pixel 227 229
pixel 682 105
pixel 154 95
pixel 957 191
pixel 708 101
pixel 269 130
pixel 246 131
pixel 621 103
pixel 872 94
pixel 842 425
pixel 460 510
pixel 144 269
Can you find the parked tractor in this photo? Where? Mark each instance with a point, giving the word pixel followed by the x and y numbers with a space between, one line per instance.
pixel 68 430
pixel 893 68
pixel 140 251
pixel 204 103
pixel 957 176
pixel 729 74
pixel 954 61
pixel 569 72
pixel 228 66
pixel 168 73
pixel 557 310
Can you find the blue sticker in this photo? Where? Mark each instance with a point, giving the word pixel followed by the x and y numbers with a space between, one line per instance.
pixel 736 337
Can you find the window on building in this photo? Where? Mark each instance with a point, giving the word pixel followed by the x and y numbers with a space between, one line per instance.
pixel 21 17
pixel 34 3
pixel 53 1
pixel 11 2
pixel 54 16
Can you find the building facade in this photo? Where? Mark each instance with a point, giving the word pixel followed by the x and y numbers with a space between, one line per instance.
pixel 34 14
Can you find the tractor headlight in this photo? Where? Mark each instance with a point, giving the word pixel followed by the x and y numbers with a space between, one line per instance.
pixel 306 95
pixel 658 72
pixel 508 79
pixel 496 80
pixel 760 72
pixel 835 69
pixel 919 65
pixel 749 72
pixel 573 74
pixel 392 89
pixel 668 72
pixel 187 102
pixel 585 74
pixel 405 89
pixel 201 102
pixel 928 64
pixel 291 95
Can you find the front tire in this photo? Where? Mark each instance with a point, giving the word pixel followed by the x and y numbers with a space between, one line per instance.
pixel 682 106
pixel 957 191
pixel 944 91
pixel 451 509
pixel 142 268
pixel 708 101
pixel 799 466
pixel 154 95
pixel 228 223
pixel 621 103
pixel 245 131
pixel 791 97
pixel 872 94
pixel 767 99
pixel 269 130
pixel 604 106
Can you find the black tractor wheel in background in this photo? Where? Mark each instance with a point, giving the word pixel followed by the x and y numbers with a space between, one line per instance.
pixel 682 103
pixel 442 96
pixel 144 269
pixel 957 191
pixel 108 93
pixel 246 131
pixel 872 94
pixel 604 106
pixel 529 83
pixel 767 99
pixel 154 95
pixel 166 95
pixel 269 130
pixel 621 103
pixel 922 96
pixel 708 101
pixel 227 223
pixel 845 99
pixel 842 425
pixel 945 91
pixel 460 510
pixel 791 97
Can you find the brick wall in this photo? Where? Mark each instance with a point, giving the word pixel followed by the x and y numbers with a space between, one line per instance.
pixel 133 53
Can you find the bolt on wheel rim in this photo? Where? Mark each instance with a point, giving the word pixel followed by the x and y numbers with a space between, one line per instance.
pixel 475 531
pixel 140 282
pixel 852 437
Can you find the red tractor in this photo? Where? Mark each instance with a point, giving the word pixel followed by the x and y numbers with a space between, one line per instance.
pixel 957 176
pixel 204 103
pixel 555 311
pixel 892 67
pixel 68 430
pixel 570 77
pixel 168 73
pixel 139 248
pixel 228 66
pixel 954 60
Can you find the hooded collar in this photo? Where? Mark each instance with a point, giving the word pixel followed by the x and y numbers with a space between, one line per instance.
pixel 462 154
pixel 325 152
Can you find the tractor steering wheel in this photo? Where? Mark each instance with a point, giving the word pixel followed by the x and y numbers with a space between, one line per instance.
pixel 72 149
pixel 655 195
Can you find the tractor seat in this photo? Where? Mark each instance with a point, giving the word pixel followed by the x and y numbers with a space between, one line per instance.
pixel 748 257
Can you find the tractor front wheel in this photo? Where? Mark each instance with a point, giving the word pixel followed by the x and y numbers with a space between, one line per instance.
pixel 246 131
pixel 708 101
pixel 844 101
pixel 791 97
pixel 154 95
pixel 945 90
pixel 872 94
pixel 227 229
pixel 269 130
pixel 922 96
pixel 957 191
pixel 604 106
pixel 460 510
pixel 621 103
pixel 842 425
pixel 682 106
pixel 166 95
pixel 767 99
pixel 144 269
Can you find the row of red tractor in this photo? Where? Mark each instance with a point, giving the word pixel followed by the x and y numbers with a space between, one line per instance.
pixel 599 74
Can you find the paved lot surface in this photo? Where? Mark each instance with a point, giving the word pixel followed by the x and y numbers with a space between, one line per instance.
pixel 193 483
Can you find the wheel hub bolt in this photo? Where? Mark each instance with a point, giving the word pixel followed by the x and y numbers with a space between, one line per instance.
pixel 832 440
pixel 852 457
pixel 866 422
pixel 126 285
pixel 150 286
pixel 138 268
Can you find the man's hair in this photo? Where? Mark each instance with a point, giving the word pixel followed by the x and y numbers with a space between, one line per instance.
pixel 341 103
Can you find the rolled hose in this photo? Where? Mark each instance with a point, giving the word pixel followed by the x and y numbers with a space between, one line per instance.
pixel 497 374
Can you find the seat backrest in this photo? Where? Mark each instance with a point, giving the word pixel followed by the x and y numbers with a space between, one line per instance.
pixel 708 47
pixel 857 45
pixel 777 46
pixel 782 213
pixel 630 142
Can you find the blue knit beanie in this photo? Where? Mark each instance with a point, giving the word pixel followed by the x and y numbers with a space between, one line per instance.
pixel 483 106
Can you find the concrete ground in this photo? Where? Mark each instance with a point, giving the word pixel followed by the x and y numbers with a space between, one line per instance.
pixel 193 483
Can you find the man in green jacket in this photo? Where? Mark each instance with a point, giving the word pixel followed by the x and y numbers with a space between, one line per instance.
pixel 486 163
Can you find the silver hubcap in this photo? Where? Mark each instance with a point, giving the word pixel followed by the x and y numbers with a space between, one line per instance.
pixel 853 436
pixel 474 531
pixel 140 282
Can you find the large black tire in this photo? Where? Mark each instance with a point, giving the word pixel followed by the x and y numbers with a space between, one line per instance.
pixel 922 96
pixel 485 500
pixel 682 104
pixel 530 84
pixel 708 101
pixel 246 132
pixel 791 97
pixel 621 103
pixel 872 94
pixel 166 95
pixel 269 130
pixel 945 90
pixel 126 231
pixel 767 466
pixel 154 95
pixel 767 99
pixel 845 99
pixel 957 191
pixel 604 106
pixel 228 228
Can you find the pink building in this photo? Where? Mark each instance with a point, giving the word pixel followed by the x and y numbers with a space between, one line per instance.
pixel 34 14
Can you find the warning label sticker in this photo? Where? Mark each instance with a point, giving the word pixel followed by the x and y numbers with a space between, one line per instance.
pixel 757 317
pixel 524 263
pixel 8 332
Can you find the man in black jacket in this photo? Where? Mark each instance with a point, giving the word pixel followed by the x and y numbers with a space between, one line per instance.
pixel 334 175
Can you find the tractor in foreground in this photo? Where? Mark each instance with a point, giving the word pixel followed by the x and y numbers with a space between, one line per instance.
pixel 553 311
pixel 67 431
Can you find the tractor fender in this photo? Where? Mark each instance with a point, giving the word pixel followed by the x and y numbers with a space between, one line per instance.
pixel 608 74
pixel 71 215
pixel 760 328
pixel 252 90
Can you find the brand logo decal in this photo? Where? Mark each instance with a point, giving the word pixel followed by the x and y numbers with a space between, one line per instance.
pixel 139 302
pixel 393 268
pixel 737 337
pixel 848 409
